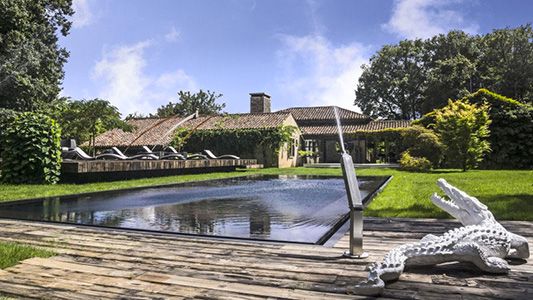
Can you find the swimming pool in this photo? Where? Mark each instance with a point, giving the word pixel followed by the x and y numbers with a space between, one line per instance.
pixel 305 209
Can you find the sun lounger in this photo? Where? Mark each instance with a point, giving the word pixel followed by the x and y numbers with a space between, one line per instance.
pixel 78 153
pixel 171 155
pixel 210 155
pixel 186 156
pixel 196 156
pixel 172 149
pixel 136 156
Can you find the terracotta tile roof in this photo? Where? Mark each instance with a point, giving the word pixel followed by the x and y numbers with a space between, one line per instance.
pixel 239 121
pixel 149 132
pixel 370 126
pixel 323 113
pixel 155 131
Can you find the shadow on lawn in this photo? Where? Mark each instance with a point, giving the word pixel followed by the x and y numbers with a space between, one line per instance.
pixel 517 207
pixel 510 207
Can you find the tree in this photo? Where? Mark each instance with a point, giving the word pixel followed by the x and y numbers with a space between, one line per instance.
pixel 414 77
pixel 84 120
pixel 450 79
pixel 31 60
pixel 463 129
pixel 392 86
pixel 452 68
pixel 506 63
pixel 204 102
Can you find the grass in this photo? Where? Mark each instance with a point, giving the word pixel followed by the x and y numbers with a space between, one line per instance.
pixel 12 253
pixel 507 193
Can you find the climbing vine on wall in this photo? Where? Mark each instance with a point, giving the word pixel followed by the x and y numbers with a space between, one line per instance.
pixel 242 142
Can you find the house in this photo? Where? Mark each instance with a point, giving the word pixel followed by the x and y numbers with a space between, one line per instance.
pixel 315 131
pixel 285 156
pixel 158 133
pixel 320 133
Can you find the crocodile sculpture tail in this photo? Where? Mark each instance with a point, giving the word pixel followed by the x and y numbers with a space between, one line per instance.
pixel 389 269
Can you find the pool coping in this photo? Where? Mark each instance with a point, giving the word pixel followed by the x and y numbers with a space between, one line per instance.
pixel 320 242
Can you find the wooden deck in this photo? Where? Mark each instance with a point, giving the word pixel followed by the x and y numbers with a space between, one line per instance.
pixel 95 263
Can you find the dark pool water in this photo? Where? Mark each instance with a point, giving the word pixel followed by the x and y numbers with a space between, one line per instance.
pixel 296 209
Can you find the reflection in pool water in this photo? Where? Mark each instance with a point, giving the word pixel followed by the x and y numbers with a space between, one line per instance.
pixel 267 207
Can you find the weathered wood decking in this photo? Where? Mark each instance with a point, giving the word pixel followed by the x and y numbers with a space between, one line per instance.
pixel 97 263
pixel 99 166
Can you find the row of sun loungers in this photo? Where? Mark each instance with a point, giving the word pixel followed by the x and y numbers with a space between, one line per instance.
pixel 115 154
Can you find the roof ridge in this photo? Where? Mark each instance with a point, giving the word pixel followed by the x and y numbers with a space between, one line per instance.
pixel 255 114
pixel 300 108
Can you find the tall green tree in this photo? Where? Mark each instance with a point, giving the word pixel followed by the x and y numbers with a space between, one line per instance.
pixel 463 129
pixel 506 62
pixel 83 120
pixel 414 77
pixel 203 102
pixel 452 68
pixel 392 85
pixel 31 60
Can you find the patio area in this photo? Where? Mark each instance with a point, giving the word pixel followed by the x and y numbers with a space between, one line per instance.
pixel 110 264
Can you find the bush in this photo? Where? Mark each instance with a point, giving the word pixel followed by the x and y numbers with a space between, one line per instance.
pixel 416 164
pixel 422 142
pixel 511 130
pixel 32 152
pixel 463 129
pixel 6 117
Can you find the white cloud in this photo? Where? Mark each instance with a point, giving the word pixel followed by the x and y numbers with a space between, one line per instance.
pixel 82 13
pixel 173 35
pixel 129 87
pixel 319 72
pixel 426 18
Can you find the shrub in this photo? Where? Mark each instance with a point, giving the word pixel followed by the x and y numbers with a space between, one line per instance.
pixel 422 142
pixel 463 129
pixel 6 117
pixel 416 164
pixel 306 153
pixel 32 152
pixel 511 130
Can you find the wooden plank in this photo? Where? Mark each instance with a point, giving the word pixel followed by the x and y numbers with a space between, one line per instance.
pixel 99 166
pixel 145 266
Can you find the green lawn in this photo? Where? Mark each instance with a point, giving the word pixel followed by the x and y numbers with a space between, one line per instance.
pixel 12 253
pixel 507 193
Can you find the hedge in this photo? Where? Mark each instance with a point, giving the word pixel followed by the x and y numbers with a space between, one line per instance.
pixel 32 151
pixel 511 130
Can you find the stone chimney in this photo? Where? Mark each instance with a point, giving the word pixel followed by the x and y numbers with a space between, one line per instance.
pixel 259 103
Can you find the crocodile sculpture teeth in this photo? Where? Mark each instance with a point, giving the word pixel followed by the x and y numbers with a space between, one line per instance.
pixel 482 241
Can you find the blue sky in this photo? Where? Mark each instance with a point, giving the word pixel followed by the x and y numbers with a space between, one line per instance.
pixel 138 54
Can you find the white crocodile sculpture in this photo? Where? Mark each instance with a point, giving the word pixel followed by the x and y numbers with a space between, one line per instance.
pixel 482 241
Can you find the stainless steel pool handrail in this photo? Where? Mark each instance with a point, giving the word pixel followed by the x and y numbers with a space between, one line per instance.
pixel 354 198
